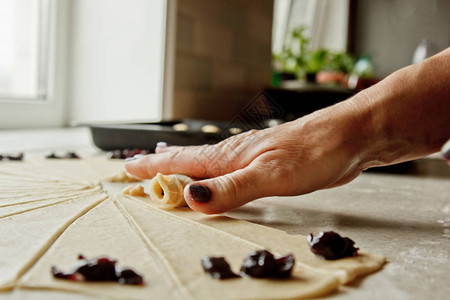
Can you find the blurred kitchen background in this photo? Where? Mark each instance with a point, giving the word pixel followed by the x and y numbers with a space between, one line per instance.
pixel 72 62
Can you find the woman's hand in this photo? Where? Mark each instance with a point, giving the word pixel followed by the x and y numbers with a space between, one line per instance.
pixel 403 117
pixel 294 158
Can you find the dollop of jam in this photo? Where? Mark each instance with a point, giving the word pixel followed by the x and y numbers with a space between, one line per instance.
pixel 217 268
pixel 19 156
pixel 52 155
pixel 99 269
pixel 331 245
pixel 262 264
pixel 284 266
pixel 127 153
pixel 72 155
pixel 69 155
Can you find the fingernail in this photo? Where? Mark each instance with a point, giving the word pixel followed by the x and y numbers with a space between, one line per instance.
pixel 131 159
pixel 137 156
pixel 200 193
pixel 162 145
pixel 445 151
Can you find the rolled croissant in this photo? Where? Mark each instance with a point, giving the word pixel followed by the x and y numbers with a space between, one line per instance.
pixel 168 189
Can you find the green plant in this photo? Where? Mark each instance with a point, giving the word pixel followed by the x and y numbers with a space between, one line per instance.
pixel 294 54
pixel 316 61
pixel 296 57
pixel 340 61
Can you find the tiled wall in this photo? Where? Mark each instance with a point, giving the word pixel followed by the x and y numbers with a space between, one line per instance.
pixel 389 31
pixel 223 56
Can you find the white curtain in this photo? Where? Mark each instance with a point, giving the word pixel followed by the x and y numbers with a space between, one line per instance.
pixel 327 21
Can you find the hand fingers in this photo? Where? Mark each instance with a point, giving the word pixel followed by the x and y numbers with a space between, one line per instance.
pixel 199 161
pixel 220 194
pixel 194 161
pixel 162 147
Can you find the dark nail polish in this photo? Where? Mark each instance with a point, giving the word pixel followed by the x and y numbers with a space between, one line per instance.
pixel 200 193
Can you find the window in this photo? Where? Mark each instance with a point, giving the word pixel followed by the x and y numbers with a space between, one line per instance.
pixel 114 71
pixel 24 49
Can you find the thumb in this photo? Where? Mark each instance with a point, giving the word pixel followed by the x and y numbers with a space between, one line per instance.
pixel 220 194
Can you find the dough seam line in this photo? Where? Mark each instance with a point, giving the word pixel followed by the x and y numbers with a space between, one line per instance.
pixel 89 193
pixel 24 195
pixel 45 205
pixel 152 247
pixel 51 241
pixel 338 273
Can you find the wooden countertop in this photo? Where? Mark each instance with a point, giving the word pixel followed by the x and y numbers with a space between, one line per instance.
pixel 405 217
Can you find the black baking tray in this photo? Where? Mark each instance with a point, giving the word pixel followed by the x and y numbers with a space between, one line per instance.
pixel 145 135
pixel 269 107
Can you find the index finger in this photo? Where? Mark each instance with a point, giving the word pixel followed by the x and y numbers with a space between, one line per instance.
pixel 192 161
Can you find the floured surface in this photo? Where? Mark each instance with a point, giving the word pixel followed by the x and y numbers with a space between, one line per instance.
pixel 165 246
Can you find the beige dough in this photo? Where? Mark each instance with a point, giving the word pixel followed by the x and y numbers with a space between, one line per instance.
pixel 40 229
pixel 170 263
pixel 121 176
pixel 209 128
pixel 134 190
pixel 27 235
pixel 168 189
pixel 114 237
pixel 36 197
pixel 9 210
pixel 181 250
pixel 346 269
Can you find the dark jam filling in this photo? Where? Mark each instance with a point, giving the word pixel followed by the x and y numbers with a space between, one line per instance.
pixel 331 245
pixel 52 155
pixel 72 155
pixel 217 268
pixel 20 156
pixel 127 153
pixel 262 264
pixel 284 266
pixel 69 155
pixel 99 269
pixel 258 264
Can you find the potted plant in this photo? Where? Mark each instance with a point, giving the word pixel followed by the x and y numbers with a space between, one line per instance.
pixel 296 60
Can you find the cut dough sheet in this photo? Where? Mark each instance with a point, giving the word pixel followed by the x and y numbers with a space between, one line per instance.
pixel 347 269
pixel 30 192
pixel 180 244
pixel 169 261
pixel 121 176
pixel 10 210
pixel 7 180
pixel 9 201
pixel 51 213
pixel 37 172
pixel 114 237
pixel 102 167
pixel 73 170
pixel 27 235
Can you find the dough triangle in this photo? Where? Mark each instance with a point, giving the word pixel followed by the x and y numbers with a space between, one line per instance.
pixel 114 237
pixel 347 269
pixel 26 236
pixel 181 243
pixel 42 202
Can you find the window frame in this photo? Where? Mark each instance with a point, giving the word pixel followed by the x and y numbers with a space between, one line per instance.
pixel 45 110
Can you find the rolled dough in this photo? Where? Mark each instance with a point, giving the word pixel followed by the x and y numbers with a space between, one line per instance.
pixel 168 190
